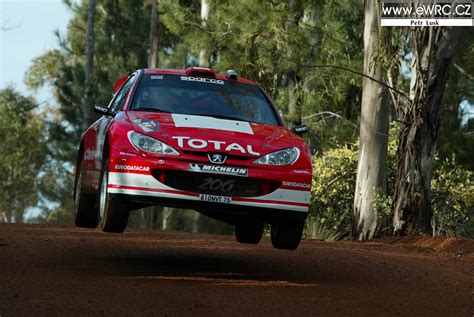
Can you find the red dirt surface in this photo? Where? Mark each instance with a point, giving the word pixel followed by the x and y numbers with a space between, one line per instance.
pixel 63 270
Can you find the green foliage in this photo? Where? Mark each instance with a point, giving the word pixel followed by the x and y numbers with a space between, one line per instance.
pixel 22 154
pixel 265 41
pixel 316 230
pixel 452 190
pixel 334 175
pixel 454 136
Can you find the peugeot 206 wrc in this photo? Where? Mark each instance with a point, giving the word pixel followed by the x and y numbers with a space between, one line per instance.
pixel 199 140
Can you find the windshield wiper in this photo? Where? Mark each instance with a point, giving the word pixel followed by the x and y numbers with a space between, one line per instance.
pixel 150 109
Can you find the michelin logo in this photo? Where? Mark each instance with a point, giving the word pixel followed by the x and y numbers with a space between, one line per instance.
pixel 226 170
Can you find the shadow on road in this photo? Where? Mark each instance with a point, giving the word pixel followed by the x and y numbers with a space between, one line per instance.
pixel 196 265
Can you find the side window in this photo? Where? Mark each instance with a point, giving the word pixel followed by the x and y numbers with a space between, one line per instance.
pixel 122 94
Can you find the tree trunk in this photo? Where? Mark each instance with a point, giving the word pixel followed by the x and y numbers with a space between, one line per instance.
pixel 166 214
pixel 432 50
pixel 197 216
pixel 203 62
pixel 204 53
pixel 372 165
pixel 87 110
pixel 154 35
pixel 294 102
pixel 149 217
pixel 151 214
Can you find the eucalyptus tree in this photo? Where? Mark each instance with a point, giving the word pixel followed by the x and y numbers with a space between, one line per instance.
pixel 372 164
pixel 432 49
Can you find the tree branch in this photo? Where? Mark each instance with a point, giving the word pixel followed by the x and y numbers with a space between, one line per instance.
pixel 463 71
pixel 404 94
pixel 5 26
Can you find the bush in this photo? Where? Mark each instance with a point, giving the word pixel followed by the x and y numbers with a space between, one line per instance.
pixel 334 176
pixel 452 193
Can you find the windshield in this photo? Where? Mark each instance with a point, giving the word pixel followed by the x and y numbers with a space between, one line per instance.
pixel 203 96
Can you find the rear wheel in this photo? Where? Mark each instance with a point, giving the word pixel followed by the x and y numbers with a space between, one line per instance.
pixel 85 212
pixel 249 232
pixel 113 216
pixel 287 235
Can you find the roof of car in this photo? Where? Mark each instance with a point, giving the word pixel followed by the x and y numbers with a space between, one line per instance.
pixel 185 72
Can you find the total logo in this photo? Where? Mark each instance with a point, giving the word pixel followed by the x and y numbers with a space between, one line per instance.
pixel 216 145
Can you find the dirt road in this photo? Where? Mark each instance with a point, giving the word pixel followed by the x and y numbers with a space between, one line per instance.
pixel 54 270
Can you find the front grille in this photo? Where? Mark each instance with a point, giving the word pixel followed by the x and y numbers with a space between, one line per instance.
pixel 232 157
pixel 216 184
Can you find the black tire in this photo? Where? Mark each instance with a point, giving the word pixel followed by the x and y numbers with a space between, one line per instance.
pixel 85 212
pixel 287 235
pixel 112 215
pixel 249 232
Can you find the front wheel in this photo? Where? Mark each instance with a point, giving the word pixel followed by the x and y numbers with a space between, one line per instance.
pixel 249 233
pixel 113 216
pixel 287 235
pixel 85 213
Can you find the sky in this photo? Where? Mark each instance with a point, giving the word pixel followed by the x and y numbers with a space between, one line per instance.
pixel 30 33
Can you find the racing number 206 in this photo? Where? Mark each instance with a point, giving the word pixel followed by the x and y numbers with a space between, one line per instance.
pixel 217 184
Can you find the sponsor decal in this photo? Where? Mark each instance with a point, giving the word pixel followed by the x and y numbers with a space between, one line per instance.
pixel 89 154
pixel 156 77
pixel 217 158
pixel 299 185
pixel 217 145
pixel 217 184
pixel 127 154
pixel 147 125
pixel 216 169
pixel 203 80
pixel 132 168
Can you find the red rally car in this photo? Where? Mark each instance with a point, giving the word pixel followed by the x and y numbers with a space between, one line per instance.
pixel 194 139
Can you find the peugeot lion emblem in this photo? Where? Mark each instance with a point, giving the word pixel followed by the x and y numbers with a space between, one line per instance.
pixel 217 158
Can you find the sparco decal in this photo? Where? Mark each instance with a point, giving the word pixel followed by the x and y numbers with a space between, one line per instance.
pixel 201 168
pixel 294 184
pixel 217 145
pixel 132 168
pixel 203 80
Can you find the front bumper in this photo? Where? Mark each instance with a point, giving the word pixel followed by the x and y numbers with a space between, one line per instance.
pixel 145 185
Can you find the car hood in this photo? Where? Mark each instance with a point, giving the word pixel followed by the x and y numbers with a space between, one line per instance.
pixel 209 134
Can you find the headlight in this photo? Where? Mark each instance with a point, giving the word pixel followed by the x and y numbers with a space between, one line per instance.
pixel 149 144
pixel 282 157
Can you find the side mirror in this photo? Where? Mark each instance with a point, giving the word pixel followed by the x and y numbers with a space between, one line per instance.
pixel 101 110
pixel 300 129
